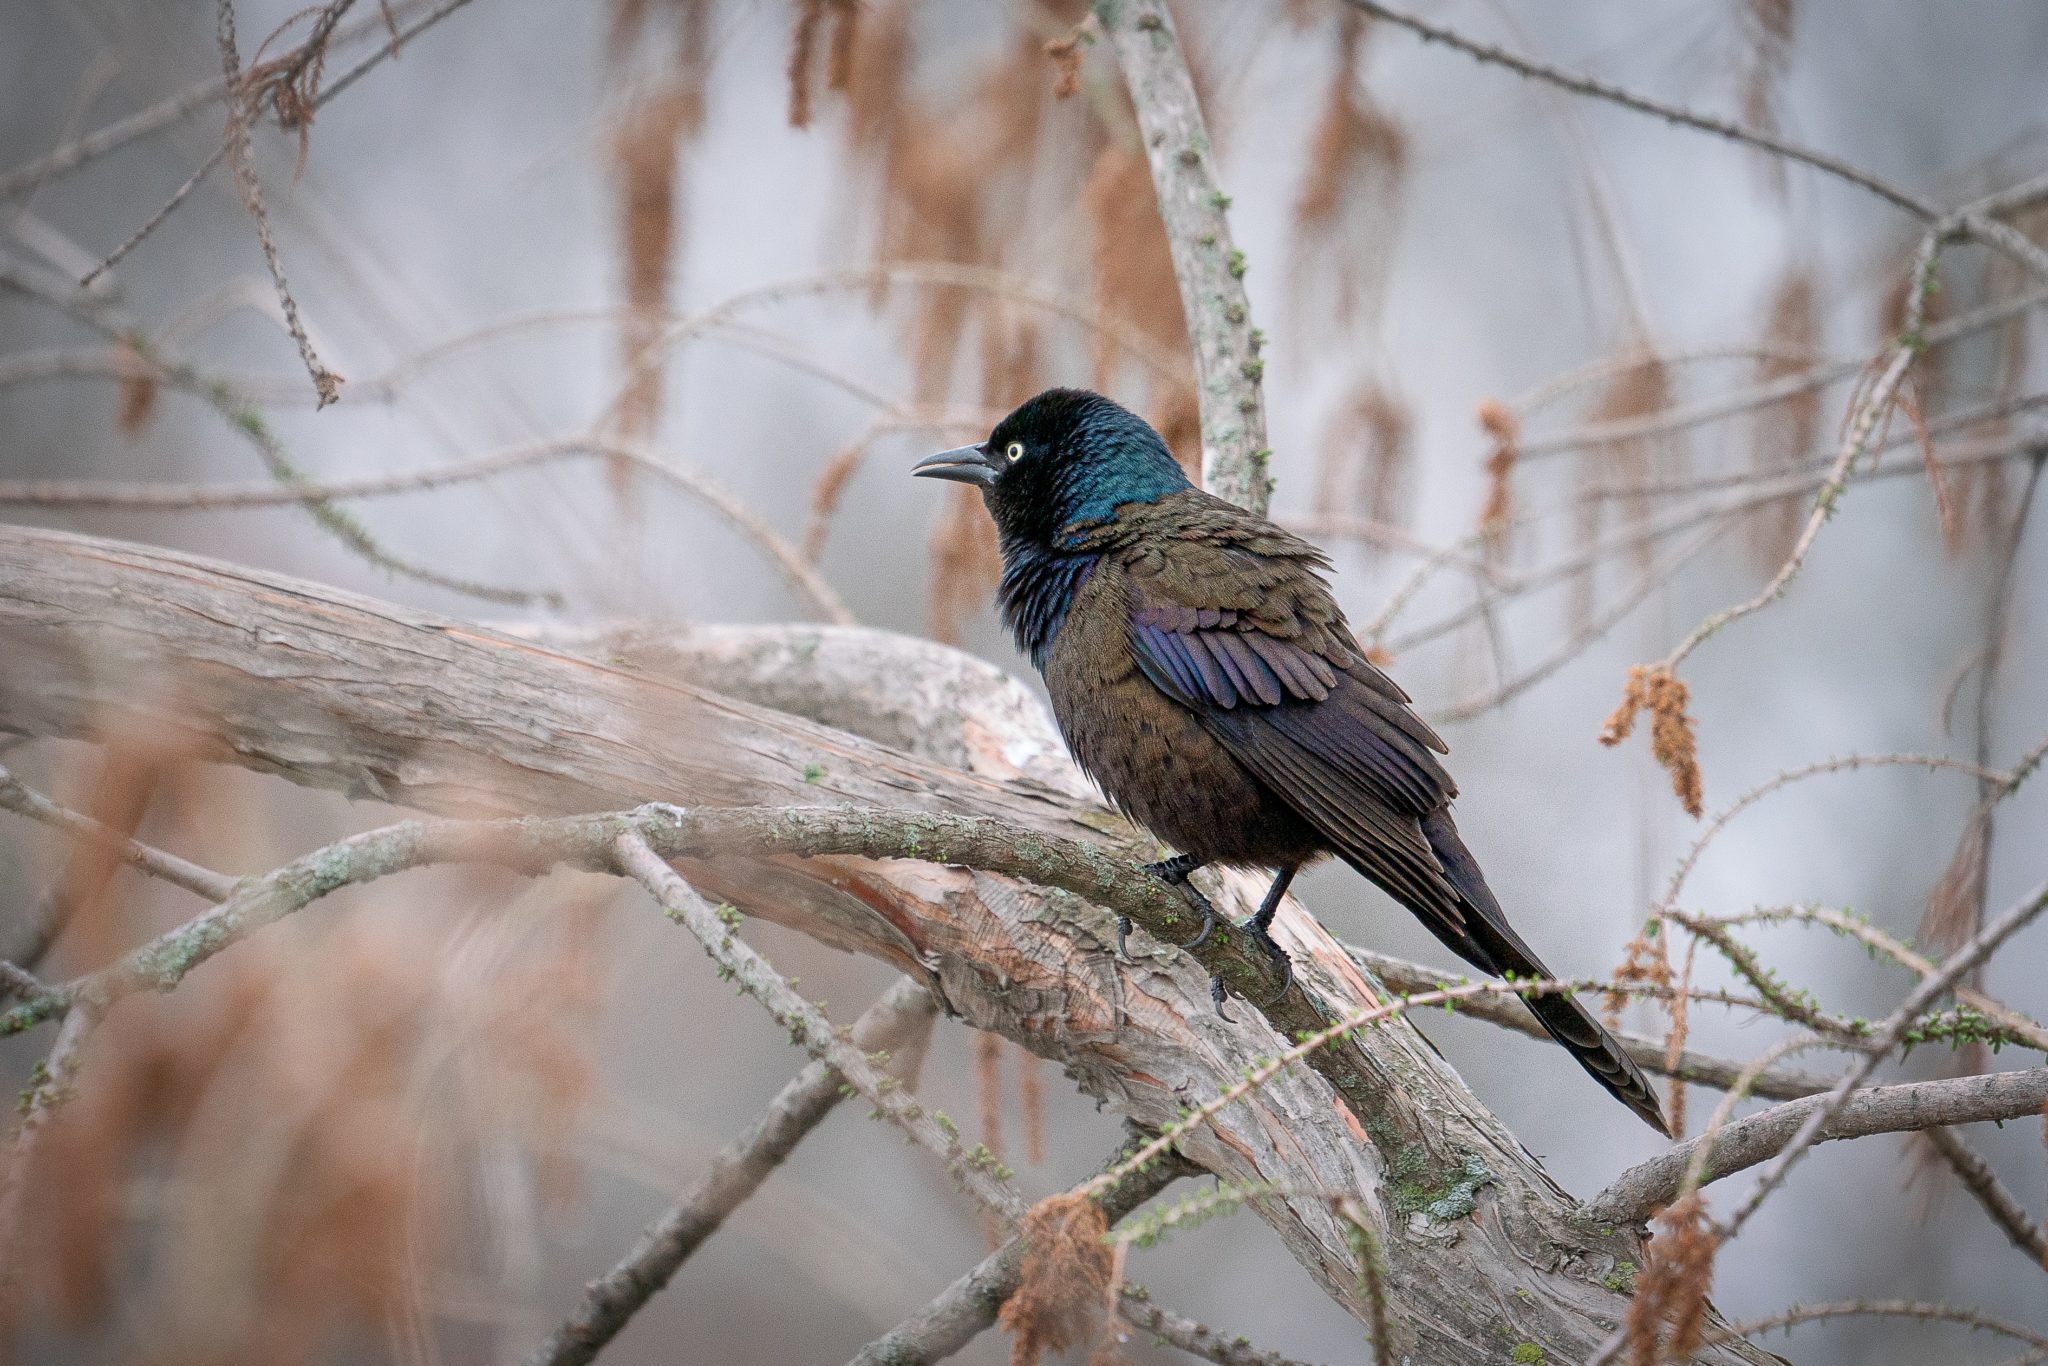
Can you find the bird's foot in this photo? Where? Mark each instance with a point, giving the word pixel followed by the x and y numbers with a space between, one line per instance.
pixel 1123 935
pixel 1258 934
pixel 1216 995
pixel 1175 871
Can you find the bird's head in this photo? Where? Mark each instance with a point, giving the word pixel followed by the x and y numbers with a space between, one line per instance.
pixel 1061 463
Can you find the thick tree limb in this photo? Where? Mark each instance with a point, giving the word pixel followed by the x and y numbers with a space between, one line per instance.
pixel 337 691
pixel 1208 266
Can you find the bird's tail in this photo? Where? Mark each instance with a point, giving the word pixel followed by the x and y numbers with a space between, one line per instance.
pixel 1490 944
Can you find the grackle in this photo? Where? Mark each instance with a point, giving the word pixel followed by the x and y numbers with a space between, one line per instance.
pixel 1202 674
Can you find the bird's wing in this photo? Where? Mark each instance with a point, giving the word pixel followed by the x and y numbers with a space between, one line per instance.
pixel 1255 646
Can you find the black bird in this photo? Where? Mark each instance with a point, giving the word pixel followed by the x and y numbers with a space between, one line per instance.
pixel 1202 674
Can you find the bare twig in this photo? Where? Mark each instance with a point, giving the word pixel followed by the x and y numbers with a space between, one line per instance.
pixel 738 1170
pixel 1862 427
pixel 1136 1308
pixel 801 574
pixel 1999 1204
pixel 249 421
pixel 47 1090
pixel 1643 1189
pixel 26 801
pixel 1650 1054
pixel 1761 139
pixel 1816 1118
pixel 1207 265
pixel 1904 1309
pixel 241 113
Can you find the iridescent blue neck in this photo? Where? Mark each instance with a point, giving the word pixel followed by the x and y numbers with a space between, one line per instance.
pixel 1039 585
pixel 1091 492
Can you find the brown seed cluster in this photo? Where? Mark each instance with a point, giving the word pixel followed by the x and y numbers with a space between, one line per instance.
pixel 1064 1288
pixel 1670 1307
pixel 1665 696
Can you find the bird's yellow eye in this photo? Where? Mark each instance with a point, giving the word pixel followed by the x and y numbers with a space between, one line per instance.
pixel 1014 452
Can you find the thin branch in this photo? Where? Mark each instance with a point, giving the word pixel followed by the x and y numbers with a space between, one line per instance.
pixel 1643 1189
pixel 1863 424
pixel 1923 209
pixel 1207 265
pixel 17 797
pixel 1668 421
pixel 1901 1309
pixel 675 832
pixel 248 420
pixel 215 88
pixel 1136 1308
pixel 968 1307
pixel 241 114
pixel 2000 1205
pixel 801 574
pixel 610 1301
pixel 48 1088
pixel 976 1171
pixel 118 134
pixel 1817 1117
pixel 1651 1054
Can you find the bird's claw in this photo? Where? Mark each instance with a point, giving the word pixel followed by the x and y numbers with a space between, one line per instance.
pixel 1123 934
pixel 1216 995
pixel 1257 933
pixel 1209 916
pixel 1175 871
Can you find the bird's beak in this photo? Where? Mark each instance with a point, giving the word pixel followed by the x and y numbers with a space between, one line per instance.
pixel 963 464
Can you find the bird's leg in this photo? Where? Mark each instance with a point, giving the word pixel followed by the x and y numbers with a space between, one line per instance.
pixel 1174 871
pixel 1256 929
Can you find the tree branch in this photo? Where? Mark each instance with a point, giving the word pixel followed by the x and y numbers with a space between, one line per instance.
pixel 1920 208
pixel 338 691
pixel 1994 1096
pixel 738 1170
pixel 1208 266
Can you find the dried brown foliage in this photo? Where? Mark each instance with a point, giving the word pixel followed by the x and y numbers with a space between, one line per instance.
pixel 1368 454
pixel 811 17
pixel 1957 902
pixel 1670 1306
pixel 1787 433
pixel 300 1129
pixel 826 494
pixel 1349 203
pixel 1645 962
pixel 1640 389
pixel 1064 1287
pixel 85 916
pixel 1501 425
pixel 139 390
pixel 1177 417
pixel 1767 36
pixel 1133 262
pixel 965 560
pixel 1031 1104
pixel 668 39
pixel 1946 514
pixel 1672 740
pixel 1065 55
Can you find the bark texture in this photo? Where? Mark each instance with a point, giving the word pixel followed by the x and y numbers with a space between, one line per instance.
pixel 1483 1251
